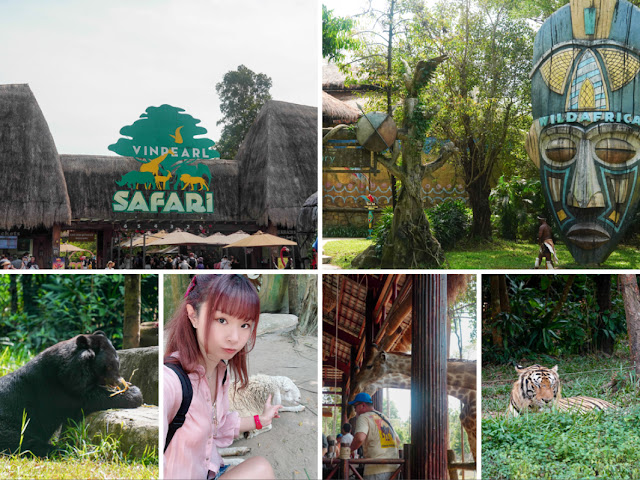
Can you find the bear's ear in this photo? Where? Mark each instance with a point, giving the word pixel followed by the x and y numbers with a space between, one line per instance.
pixel 82 342
pixel 99 332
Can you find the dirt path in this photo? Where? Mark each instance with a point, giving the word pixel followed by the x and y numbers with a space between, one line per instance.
pixel 292 444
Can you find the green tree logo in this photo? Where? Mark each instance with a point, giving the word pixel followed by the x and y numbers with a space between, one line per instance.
pixel 164 141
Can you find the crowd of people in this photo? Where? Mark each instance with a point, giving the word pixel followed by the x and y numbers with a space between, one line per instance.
pixel 17 262
pixel 178 262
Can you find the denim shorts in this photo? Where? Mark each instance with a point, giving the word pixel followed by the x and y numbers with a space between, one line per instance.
pixel 223 469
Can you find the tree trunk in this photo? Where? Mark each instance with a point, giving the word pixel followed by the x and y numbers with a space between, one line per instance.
pixel 603 343
pixel 13 291
pixel 308 316
pixel 29 292
pixel 409 242
pixel 479 191
pixel 496 336
pixel 132 306
pixel 631 298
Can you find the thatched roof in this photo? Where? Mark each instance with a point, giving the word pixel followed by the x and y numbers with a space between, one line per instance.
pixel 33 193
pixel 335 112
pixel 333 80
pixel 91 180
pixel 278 162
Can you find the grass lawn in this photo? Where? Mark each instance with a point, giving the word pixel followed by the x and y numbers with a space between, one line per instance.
pixel 25 467
pixel 563 445
pixel 495 254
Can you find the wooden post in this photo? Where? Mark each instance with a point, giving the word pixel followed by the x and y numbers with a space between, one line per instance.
pixel 429 414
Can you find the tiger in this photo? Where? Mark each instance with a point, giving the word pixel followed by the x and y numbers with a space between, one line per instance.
pixel 539 387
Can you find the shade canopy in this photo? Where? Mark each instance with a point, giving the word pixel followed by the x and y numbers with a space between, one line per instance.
pixel 260 239
pixel 234 237
pixel 218 239
pixel 67 248
pixel 179 238
pixel 145 239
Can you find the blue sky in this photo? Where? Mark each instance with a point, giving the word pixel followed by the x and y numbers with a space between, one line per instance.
pixel 95 66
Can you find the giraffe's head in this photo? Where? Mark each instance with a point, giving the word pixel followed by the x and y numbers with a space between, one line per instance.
pixel 365 380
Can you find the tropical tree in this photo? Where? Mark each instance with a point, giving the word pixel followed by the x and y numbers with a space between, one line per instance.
pixel 481 94
pixel 242 94
pixel 337 35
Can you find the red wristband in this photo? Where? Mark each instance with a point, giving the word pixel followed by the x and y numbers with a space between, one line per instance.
pixel 257 420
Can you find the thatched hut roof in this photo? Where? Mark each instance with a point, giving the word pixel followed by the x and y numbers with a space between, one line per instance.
pixel 33 193
pixel 335 112
pixel 278 162
pixel 91 180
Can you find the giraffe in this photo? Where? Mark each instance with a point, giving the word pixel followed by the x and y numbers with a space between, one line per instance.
pixel 153 165
pixel 393 370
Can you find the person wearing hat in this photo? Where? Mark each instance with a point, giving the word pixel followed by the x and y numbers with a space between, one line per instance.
pixel 376 436
pixel 547 248
pixel 5 264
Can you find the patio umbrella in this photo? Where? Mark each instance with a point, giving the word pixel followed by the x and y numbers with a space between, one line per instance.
pixel 217 239
pixel 67 247
pixel 180 238
pixel 234 237
pixel 260 239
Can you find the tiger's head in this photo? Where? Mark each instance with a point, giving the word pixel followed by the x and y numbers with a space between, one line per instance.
pixel 537 387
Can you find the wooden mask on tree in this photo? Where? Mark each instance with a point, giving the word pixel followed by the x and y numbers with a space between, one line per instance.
pixel 585 137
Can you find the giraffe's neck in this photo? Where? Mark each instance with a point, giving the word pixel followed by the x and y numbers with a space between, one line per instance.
pixel 395 380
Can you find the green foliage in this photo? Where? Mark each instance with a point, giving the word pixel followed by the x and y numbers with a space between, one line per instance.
pixel 337 35
pixel 343 252
pixel 449 221
pixel 382 229
pixel 533 326
pixel 515 205
pixel 67 305
pixel 242 94
pixel 559 446
pixel 75 441
pixel 344 231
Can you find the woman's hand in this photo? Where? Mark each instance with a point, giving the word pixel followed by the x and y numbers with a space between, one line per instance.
pixel 269 413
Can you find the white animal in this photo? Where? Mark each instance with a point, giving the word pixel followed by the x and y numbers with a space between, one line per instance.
pixel 251 400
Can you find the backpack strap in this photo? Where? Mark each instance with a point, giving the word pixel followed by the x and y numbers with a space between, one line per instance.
pixel 187 395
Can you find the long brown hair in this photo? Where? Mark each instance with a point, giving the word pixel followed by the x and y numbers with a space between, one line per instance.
pixel 231 294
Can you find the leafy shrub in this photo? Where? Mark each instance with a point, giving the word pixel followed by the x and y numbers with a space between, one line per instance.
pixel 382 229
pixel 449 221
pixel 345 231
pixel 532 325
pixel 562 446
pixel 60 306
pixel 515 205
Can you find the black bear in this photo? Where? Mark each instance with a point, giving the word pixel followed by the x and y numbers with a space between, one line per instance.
pixel 71 377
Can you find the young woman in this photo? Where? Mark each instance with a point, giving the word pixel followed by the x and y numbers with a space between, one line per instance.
pixel 210 336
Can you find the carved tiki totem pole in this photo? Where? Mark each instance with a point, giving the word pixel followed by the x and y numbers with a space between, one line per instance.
pixel 585 137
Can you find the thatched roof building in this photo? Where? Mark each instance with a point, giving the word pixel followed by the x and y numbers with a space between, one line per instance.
pixel 91 180
pixel 335 112
pixel 278 162
pixel 33 191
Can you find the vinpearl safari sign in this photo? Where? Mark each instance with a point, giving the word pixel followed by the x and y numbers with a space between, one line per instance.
pixel 171 178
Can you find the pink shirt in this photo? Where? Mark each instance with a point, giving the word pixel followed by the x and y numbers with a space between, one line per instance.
pixel 193 449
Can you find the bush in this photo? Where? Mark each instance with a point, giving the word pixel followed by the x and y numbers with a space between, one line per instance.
pixel 449 221
pixel 515 205
pixel 345 231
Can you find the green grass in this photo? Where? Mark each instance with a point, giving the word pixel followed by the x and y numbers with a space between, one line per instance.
pixel 343 251
pixel 563 445
pixel 494 254
pixel 25 467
